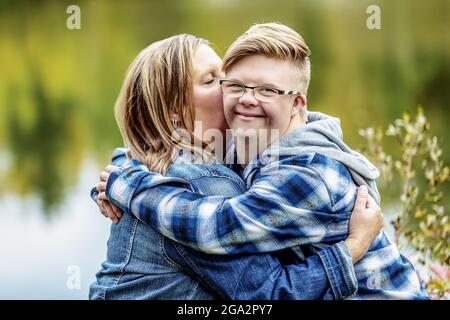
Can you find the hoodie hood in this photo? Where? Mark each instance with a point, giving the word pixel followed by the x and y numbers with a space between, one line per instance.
pixel 323 134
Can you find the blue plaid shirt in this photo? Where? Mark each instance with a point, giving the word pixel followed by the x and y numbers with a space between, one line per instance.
pixel 298 200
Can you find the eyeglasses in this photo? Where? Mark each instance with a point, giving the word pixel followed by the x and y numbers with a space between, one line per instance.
pixel 261 93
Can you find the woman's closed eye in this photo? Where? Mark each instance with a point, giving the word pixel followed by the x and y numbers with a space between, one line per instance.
pixel 212 80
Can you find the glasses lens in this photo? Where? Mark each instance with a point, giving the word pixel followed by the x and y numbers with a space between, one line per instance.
pixel 265 94
pixel 232 88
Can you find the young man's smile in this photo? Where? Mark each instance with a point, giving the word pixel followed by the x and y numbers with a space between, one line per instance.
pixel 248 115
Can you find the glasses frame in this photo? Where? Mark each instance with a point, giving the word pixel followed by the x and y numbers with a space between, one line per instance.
pixel 278 91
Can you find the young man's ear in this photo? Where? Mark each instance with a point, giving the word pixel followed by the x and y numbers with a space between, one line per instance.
pixel 299 105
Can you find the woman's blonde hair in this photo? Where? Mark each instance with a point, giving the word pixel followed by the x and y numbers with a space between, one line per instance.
pixel 158 85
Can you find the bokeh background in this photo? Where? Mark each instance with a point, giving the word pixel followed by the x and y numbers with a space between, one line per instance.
pixel 58 87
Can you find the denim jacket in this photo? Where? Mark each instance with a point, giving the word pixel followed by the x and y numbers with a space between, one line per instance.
pixel 137 266
pixel 144 265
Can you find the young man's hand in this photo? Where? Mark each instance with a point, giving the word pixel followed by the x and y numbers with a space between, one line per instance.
pixel 108 209
pixel 365 224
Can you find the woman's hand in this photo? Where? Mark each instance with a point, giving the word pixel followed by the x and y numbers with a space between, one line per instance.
pixel 366 222
pixel 108 209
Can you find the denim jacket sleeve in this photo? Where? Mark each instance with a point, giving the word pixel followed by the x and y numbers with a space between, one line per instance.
pixel 327 275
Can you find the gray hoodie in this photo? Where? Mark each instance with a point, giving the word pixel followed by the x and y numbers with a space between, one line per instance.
pixel 323 134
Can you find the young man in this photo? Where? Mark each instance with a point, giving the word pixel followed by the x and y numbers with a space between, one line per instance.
pixel 301 186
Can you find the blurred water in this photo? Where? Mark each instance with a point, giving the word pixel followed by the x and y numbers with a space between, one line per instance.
pixel 38 252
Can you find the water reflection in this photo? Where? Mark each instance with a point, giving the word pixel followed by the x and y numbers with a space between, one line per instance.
pixel 39 149
pixel 38 253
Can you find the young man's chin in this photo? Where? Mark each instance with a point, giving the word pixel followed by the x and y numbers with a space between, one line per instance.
pixel 248 123
pixel 251 134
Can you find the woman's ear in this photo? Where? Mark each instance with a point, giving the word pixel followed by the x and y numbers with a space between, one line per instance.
pixel 175 117
pixel 299 104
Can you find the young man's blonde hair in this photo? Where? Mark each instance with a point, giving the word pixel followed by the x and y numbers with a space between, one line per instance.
pixel 272 40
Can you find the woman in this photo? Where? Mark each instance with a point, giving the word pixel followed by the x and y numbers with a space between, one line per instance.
pixel 170 85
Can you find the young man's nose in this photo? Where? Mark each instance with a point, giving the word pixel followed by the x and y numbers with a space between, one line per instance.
pixel 248 98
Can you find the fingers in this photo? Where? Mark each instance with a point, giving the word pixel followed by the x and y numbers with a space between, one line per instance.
pixel 107 209
pixel 363 191
pixel 101 187
pixel 116 210
pixel 102 196
pixel 110 212
pixel 104 175
pixel 101 207
pixel 111 168
pixel 371 203
pixel 362 198
pixel 373 208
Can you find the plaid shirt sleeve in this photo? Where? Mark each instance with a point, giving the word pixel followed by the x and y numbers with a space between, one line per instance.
pixel 284 207
pixel 119 157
